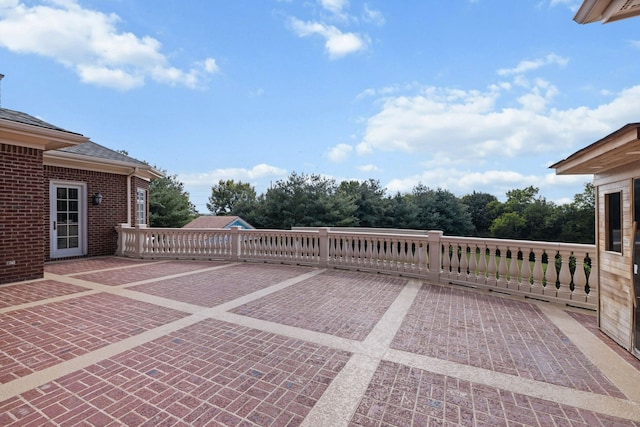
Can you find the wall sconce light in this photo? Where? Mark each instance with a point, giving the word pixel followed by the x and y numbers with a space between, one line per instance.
pixel 96 199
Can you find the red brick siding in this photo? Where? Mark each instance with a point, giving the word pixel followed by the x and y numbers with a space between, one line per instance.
pixel 21 214
pixel 102 237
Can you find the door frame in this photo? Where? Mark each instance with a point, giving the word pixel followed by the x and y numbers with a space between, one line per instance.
pixel 81 250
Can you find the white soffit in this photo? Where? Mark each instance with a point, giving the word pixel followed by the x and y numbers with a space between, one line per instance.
pixel 606 10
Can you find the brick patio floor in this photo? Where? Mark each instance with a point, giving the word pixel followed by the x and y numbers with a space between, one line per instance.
pixel 112 341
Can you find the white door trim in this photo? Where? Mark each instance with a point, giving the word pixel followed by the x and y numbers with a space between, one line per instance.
pixel 81 248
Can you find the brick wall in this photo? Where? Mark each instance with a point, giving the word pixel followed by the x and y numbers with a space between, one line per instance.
pixel 21 213
pixel 102 219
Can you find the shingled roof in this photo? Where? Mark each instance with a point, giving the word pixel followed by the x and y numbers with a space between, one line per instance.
pixel 24 118
pixel 92 149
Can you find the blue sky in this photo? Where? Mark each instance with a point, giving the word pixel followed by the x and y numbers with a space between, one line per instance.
pixel 464 94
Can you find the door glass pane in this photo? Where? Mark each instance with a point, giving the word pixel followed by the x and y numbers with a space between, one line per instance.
pixel 62 205
pixel 62 231
pixel 73 206
pixel 73 230
pixel 73 218
pixel 73 193
pixel 73 242
pixel 62 243
pixel 62 218
pixel 61 193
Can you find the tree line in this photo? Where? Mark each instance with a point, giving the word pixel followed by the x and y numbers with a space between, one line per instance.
pixel 303 200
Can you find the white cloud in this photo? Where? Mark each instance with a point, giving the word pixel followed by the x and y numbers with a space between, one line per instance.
pixel 258 172
pixel 339 153
pixel 337 43
pixel 89 42
pixel 334 6
pixel 369 168
pixel 372 15
pixel 496 182
pixel 473 126
pixel 571 4
pixel 530 65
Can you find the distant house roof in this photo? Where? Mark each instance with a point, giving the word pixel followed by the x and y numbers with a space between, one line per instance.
pixel 219 222
pixel 24 118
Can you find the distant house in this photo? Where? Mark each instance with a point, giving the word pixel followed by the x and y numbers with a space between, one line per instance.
pixel 219 222
pixel 61 195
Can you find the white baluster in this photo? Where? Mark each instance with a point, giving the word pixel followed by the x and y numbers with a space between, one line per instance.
pixel 538 274
pixel 473 264
pixel 492 267
pixel 464 263
pixel 517 278
pixel 564 292
pixel 551 275
pixel 446 261
pixel 579 280
pixel 502 268
pixel 455 261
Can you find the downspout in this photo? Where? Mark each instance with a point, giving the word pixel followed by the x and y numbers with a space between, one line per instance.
pixel 129 211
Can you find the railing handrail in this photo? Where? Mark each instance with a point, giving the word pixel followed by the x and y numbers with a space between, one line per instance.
pixel 570 279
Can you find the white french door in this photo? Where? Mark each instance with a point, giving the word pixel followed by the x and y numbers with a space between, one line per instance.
pixel 68 219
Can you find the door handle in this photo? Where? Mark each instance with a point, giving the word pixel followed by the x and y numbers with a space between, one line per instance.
pixel 54 226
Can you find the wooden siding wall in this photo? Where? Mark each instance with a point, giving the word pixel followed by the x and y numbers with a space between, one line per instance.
pixel 615 310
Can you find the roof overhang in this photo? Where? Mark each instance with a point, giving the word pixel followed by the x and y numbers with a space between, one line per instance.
pixel 606 11
pixel 79 161
pixel 614 150
pixel 24 135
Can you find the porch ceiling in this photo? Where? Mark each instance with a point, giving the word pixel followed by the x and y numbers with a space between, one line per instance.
pixel 617 149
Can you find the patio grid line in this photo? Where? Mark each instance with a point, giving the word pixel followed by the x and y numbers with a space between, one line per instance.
pixel 270 345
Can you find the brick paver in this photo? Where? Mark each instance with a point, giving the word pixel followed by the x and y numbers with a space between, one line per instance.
pixel 35 338
pixel 218 373
pixel 145 272
pixel 402 396
pixel 90 264
pixel 23 293
pixel 212 373
pixel 590 322
pixel 499 334
pixel 216 287
pixel 345 304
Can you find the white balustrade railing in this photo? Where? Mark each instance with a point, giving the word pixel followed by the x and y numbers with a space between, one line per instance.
pixel 558 272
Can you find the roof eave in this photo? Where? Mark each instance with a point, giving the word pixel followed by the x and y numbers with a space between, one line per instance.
pixel 81 161
pixel 590 11
pixel 25 135
pixel 584 161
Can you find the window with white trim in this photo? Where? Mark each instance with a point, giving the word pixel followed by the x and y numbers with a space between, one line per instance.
pixel 141 206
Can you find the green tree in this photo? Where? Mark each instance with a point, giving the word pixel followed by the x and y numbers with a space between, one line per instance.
pixel 483 210
pixel 306 201
pixel 509 225
pixel 169 204
pixel 441 210
pixel 371 205
pixel 579 217
pixel 225 195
